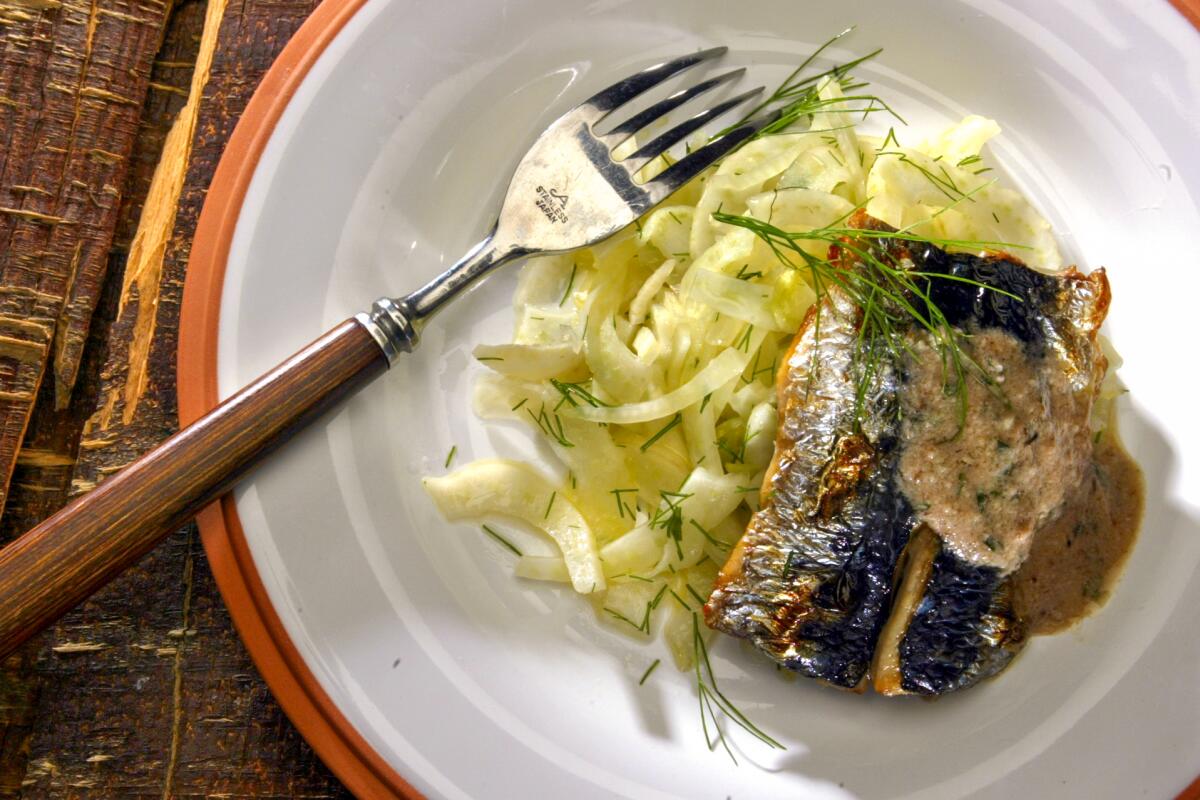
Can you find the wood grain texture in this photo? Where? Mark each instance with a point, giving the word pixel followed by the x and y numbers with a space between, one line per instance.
pixel 40 484
pixel 73 78
pixel 143 268
pixel 42 477
pixel 56 565
pixel 149 675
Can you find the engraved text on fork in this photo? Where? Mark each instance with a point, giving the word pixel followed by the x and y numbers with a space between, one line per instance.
pixel 552 203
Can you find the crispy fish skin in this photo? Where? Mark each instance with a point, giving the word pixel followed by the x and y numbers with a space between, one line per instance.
pixel 964 629
pixel 812 581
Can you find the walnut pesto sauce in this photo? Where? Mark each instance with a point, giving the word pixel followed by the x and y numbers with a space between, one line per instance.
pixel 1022 483
pixel 1079 554
pixel 986 481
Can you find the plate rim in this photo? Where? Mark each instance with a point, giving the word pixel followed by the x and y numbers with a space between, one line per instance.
pixel 347 754
pixel 1191 10
pixel 331 735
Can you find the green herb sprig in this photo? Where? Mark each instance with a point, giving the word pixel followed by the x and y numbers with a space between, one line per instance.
pixel 644 625
pixel 663 431
pixel 551 425
pixel 670 518
pixel 798 98
pixel 574 393
pixel 649 670
pixel 503 542
pixel 889 297
pixel 712 700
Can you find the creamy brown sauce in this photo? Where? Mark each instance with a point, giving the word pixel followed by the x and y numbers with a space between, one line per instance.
pixel 1023 486
pixel 988 482
pixel 1077 557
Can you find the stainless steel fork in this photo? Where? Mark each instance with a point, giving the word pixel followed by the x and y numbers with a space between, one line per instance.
pixel 569 191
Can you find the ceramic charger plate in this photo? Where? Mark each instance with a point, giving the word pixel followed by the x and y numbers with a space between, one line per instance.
pixel 373 156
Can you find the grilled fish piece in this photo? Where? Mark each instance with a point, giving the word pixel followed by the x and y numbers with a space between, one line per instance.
pixel 848 540
pixel 810 582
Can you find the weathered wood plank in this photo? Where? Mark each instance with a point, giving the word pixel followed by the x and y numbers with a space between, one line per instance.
pixel 149 675
pixel 26 36
pixel 44 467
pixel 70 111
pixel 40 485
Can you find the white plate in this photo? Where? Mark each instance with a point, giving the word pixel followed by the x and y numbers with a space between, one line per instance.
pixel 387 165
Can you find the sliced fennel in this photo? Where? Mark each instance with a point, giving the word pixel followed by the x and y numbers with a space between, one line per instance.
pixel 511 489
pixel 725 367
pixel 531 362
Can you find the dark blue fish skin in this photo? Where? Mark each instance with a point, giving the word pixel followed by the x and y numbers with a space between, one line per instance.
pixel 1020 312
pixel 839 645
pixel 963 630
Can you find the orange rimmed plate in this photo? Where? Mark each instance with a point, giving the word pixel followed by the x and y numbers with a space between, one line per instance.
pixel 371 156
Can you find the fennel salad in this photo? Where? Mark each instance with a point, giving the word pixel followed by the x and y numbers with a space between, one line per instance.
pixel 648 363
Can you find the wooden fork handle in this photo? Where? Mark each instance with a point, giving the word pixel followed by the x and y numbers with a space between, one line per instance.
pixel 69 556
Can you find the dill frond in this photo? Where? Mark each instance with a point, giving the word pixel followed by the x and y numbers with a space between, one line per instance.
pixel 889 297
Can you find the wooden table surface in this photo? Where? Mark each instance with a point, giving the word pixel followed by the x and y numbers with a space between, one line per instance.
pixel 145 691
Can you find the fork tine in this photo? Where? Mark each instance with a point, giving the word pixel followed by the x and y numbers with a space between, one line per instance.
pixel 623 91
pixel 657 146
pixel 664 107
pixel 694 163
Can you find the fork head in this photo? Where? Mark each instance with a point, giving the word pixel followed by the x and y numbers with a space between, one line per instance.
pixel 570 190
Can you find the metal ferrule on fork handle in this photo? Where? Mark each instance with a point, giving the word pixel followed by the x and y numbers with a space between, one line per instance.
pixel 395 323
pixel 390 326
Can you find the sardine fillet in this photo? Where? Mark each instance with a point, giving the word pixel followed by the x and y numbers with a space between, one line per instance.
pixel 814 579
